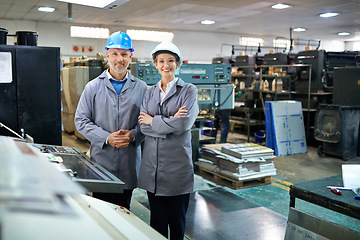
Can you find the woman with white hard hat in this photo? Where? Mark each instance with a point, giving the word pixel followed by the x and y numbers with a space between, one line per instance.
pixel 168 112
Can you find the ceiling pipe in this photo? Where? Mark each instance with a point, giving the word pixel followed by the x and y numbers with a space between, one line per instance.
pixel 69 11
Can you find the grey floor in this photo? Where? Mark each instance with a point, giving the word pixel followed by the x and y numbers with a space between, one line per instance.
pixel 218 212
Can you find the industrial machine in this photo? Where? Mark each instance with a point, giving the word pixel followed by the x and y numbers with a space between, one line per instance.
pixel 317 60
pixel 222 60
pixel 246 65
pixel 339 60
pixel 90 175
pixel 30 92
pixel 276 59
pixel 338 128
pixel 146 72
pixel 346 86
pixel 337 125
pixel 40 202
pixel 213 81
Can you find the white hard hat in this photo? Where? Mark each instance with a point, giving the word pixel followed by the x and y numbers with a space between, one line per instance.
pixel 165 47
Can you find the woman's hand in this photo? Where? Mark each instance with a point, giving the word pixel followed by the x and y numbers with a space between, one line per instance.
pixel 181 112
pixel 145 118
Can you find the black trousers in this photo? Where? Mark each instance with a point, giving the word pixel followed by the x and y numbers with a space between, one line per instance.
pixel 121 199
pixel 168 211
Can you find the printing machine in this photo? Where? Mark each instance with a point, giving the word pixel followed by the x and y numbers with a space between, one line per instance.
pixel 244 63
pixel 39 202
pixel 30 92
pixel 276 59
pixel 339 60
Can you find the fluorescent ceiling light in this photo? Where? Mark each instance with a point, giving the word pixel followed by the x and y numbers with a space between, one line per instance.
pixel 46 9
pixel 280 6
pixel 299 29
pixel 207 22
pixel 92 3
pixel 343 33
pixel 327 15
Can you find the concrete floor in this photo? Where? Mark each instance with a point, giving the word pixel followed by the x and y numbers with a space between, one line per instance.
pixel 273 197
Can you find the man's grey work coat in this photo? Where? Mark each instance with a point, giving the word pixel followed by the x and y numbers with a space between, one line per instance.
pixel 166 167
pixel 102 111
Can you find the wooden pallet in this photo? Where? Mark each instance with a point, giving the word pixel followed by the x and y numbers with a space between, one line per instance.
pixel 234 184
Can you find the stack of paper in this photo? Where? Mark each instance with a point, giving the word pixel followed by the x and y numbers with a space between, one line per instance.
pixel 238 161
pixel 247 150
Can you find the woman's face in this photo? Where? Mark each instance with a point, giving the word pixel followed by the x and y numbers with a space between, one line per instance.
pixel 166 64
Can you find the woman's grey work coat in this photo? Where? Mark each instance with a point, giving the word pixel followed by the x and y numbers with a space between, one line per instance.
pixel 166 167
pixel 102 111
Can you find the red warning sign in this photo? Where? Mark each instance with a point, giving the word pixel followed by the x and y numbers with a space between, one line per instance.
pixel 82 49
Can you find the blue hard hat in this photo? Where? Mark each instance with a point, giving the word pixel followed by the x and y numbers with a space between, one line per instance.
pixel 119 40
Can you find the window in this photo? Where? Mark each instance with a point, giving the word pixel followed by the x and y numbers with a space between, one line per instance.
pixel 154 36
pixel 281 43
pixel 89 32
pixel 251 41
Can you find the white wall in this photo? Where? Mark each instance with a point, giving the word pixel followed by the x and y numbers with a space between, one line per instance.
pixel 198 47
pixel 352 46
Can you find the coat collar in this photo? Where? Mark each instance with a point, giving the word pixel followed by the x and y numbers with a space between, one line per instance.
pixel 130 80
pixel 173 90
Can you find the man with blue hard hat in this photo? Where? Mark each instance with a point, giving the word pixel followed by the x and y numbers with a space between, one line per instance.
pixel 107 115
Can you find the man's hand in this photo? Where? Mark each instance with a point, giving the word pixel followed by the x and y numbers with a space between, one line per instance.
pixel 120 139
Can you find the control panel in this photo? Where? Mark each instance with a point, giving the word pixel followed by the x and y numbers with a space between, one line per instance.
pixel 213 81
pixel 189 72
pixel 205 73
pixel 146 72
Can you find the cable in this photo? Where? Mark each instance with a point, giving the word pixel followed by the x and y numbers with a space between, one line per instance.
pixel 12 131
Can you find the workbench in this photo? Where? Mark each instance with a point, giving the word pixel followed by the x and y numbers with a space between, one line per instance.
pixel 302 225
pixel 316 192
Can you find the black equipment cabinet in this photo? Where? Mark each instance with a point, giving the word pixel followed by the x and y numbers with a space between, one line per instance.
pixel 347 86
pixel 32 100
pixel 317 60
pixel 276 59
pixel 338 128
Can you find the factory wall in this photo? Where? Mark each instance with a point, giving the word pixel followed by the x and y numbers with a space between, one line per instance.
pixel 196 47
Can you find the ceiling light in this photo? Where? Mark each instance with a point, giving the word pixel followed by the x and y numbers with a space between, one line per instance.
pixel 46 9
pixel 280 6
pixel 327 15
pixel 343 33
pixel 207 22
pixel 299 29
pixel 97 3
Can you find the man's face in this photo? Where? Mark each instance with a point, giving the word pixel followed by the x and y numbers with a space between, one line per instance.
pixel 119 59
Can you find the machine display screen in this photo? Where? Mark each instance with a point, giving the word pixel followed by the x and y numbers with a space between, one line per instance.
pixel 78 165
pixel 192 71
pixel 83 169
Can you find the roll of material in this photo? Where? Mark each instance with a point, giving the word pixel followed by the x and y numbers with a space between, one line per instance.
pixel 3 36
pixel 27 38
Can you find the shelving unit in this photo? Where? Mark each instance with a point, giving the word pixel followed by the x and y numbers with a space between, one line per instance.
pixel 246 121
pixel 272 72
